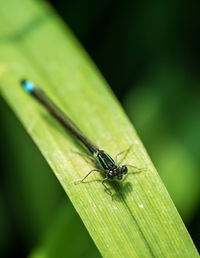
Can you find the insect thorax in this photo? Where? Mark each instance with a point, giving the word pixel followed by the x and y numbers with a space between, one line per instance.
pixel 105 161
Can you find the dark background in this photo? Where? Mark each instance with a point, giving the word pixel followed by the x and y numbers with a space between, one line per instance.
pixel 148 51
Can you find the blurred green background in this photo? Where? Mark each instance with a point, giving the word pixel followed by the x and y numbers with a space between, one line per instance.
pixel 148 51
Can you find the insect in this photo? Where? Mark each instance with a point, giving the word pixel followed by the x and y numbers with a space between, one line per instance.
pixel 108 165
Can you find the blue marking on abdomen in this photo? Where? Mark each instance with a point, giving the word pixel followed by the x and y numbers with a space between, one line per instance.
pixel 28 86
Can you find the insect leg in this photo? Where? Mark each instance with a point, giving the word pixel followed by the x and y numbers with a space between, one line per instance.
pixel 103 183
pixel 128 165
pixel 87 156
pixel 118 154
pixel 115 158
pixel 95 169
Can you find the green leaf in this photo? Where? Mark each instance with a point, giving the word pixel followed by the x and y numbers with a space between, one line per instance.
pixel 141 221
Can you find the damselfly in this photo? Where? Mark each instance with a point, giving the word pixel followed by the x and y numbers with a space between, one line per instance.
pixel 108 165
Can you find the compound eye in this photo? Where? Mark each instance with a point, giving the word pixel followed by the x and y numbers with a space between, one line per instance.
pixel 110 175
pixel 124 170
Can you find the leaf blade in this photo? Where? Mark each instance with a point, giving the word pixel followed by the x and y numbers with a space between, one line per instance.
pixel 142 220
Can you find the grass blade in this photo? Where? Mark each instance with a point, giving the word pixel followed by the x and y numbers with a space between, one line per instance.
pixel 141 221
